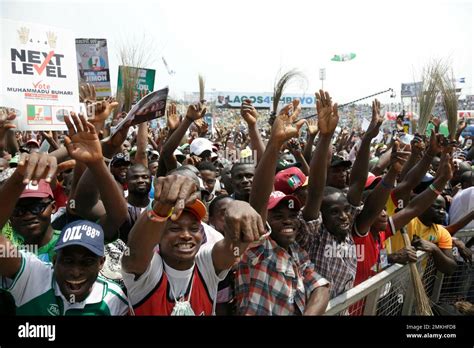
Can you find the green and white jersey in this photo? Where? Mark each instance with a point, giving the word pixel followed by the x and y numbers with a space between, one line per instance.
pixel 36 292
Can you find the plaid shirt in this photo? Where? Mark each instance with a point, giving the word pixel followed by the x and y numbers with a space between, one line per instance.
pixel 273 281
pixel 335 261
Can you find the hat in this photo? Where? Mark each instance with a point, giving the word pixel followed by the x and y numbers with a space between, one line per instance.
pixel 84 233
pixel 154 153
pixel 284 164
pixel 179 155
pixel 337 161
pixel 198 209
pixel 199 145
pixel 288 180
pixel 42 190
pixel 33 142
pixel 372 181
pixel 247 152
pixel 120 157
pixel 277 196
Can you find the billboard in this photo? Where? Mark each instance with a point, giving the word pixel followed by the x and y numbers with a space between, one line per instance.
pixel 38 74
pixel 262 100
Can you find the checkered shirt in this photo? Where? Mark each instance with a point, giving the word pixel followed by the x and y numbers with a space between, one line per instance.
pixel 337 262
pixel 273 281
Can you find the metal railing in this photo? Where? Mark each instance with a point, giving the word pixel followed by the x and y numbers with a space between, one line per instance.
pixel 391 291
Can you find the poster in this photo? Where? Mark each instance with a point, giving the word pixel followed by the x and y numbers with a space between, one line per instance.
pixel 262 100
pixel 150 107
pixel 38 74
pixel 145 80
pixel 411 89
pixel 93 65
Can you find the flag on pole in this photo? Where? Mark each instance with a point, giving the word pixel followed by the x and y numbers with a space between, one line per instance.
pixel 343 57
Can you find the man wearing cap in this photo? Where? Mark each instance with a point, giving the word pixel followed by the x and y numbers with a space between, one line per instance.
pixel 32 145
pixel 292 181
pixel 182 277
pixel 119 166
pixel 68 286
pixel 337 172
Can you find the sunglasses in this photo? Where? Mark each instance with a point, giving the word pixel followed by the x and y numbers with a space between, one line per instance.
pixel 35 209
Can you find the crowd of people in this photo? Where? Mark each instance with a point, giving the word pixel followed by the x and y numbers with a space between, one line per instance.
pixel 245 220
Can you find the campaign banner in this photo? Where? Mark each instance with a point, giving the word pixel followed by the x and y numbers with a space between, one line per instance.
pixel 262 100
pixel 150 107
pixel 38 75
pixel 144 84
pixel 411 89
pixel 93 65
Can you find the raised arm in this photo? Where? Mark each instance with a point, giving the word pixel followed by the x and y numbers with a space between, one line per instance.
pixel 312 133
pixel 172 193
pixel 142 142
pixel 195 112
pixel 414 176
pixel 250 115
pixel 84 146
pixel 376 200
pixel 454 227
pixel 422 201
pixel 328 118
pixel 360 168
pixel 295 148
pixel 283 129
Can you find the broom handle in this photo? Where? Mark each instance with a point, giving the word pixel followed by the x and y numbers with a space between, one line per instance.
pixel 406 240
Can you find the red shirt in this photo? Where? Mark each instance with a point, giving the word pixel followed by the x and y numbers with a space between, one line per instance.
pixel 368 252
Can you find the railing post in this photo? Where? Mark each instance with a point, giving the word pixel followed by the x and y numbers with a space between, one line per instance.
pixel 438 284
pixel 371 300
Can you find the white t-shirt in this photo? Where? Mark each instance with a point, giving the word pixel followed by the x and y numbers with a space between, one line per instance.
pixel 462 204
pixel 140 288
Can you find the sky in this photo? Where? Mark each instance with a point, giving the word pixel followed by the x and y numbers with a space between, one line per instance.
pixel 241 45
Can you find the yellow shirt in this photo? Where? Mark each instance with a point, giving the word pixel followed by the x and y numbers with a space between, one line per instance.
pixel 436 234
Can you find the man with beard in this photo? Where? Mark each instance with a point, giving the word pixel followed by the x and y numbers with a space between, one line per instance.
pixel 69 286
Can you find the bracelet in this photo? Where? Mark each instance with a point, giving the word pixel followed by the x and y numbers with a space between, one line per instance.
pixel 432 188
pixel 154 217
pixel 387 186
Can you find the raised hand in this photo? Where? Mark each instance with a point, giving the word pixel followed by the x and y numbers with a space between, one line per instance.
pixel 174 192
pixel 83 142
pixel 249 113
pixel 376 121
pixel 98 112
pixel 36 166
pixel 398 158
pixel 437 143
pixel 172 117
pixel 328 116
pixel 446 167
pixel 284 126
pixel 87 93
pixel 195 112
pixel 312 127
pixel 5 122
pixel 202 127
pixel 243 223
pixel 294 146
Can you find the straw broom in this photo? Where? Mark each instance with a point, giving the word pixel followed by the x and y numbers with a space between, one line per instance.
pixel 422 301
pixel 279 88
pixel 450 101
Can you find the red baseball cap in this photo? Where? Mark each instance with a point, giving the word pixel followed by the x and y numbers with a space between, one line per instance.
pixel 277 196
pixel 198 209
pixel 288 180
pixel 42 190
pixel 372 181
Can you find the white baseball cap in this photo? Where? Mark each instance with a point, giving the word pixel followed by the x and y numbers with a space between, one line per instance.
pixel 199 145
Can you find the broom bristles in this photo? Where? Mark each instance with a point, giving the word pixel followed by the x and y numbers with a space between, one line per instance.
pixel 280 85
pixel 423 306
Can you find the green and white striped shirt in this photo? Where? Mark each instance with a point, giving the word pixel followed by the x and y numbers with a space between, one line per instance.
pixel 36 292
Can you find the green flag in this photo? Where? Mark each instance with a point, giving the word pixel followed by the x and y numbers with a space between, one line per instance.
pixel 343 57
